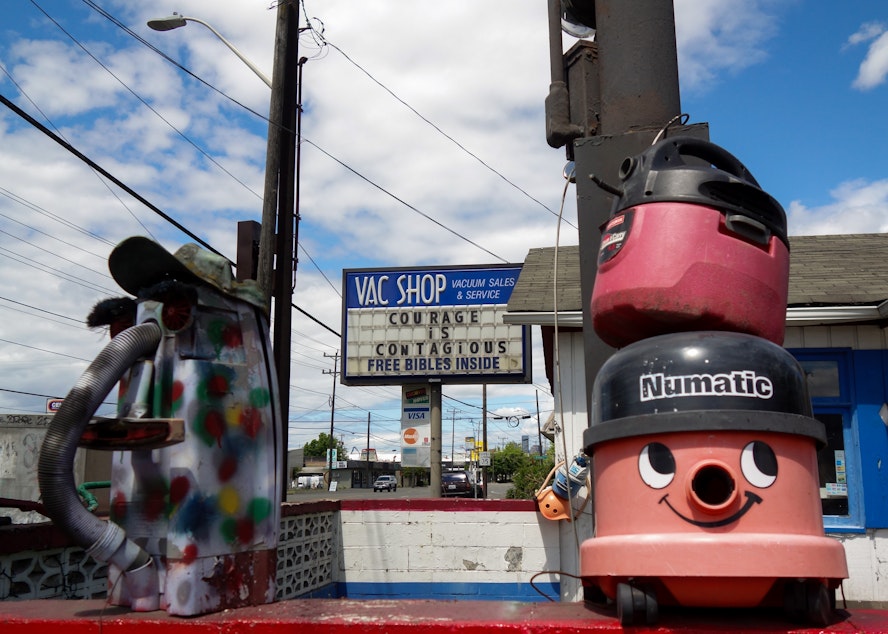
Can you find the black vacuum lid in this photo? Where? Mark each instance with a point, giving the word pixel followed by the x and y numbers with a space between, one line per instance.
pixel 691 170
pixel 697 370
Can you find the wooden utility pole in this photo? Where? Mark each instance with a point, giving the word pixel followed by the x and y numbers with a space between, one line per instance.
pixel 369 470
pixel 276 236
pixel 335 373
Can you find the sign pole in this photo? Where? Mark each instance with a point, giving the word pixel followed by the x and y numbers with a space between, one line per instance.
pixel 435 440
pixel 484 435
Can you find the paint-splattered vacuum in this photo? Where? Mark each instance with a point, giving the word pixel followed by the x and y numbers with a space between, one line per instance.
pixel 195 497
pixel 702 440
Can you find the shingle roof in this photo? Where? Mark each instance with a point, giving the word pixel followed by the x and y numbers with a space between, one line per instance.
pixel 838 269
pixel 824 270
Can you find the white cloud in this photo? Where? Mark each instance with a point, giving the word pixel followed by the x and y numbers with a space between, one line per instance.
pixel 867 31
pixel 859 207
pixel 874 67
pixel 718 36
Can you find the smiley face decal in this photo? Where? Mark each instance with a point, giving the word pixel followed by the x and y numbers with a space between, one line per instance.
pixel 711 484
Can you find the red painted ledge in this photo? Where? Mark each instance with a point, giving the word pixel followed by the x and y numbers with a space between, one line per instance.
pixel 333 616
pixel 438 504
pixel 462 505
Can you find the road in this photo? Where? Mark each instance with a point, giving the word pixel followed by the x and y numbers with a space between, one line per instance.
pixel 496 491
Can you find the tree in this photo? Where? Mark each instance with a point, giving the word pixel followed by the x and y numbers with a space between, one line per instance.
pixel 318 447
pixel 507 461
pixel 531 476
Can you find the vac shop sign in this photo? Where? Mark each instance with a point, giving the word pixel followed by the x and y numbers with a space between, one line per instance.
pixel 402 325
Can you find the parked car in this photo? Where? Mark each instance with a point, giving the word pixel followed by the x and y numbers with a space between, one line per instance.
pixel 459 484
pixel 385 483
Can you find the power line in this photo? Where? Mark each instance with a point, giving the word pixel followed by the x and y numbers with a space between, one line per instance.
pixel 61 354
pixel 302 138
pixel 83 157
pixel 402 201
pixel 145 103
pixel 108 187
pixel 439 130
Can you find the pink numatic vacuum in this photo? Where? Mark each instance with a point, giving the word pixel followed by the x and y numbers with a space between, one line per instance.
pixel 702 441
pixel 195 492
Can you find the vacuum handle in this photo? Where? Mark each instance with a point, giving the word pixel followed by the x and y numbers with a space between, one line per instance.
pixel 748 228
pixel 713 154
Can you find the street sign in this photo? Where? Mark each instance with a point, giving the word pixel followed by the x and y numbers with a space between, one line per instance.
pixel 484 458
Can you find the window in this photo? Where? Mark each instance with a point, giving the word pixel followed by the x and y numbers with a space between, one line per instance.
pixel 828 375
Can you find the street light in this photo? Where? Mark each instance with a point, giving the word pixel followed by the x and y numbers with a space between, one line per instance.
pixel 176 21
pixel 280 202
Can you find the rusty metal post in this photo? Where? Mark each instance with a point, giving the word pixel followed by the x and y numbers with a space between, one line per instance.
pixel 639 94
pixel 637 64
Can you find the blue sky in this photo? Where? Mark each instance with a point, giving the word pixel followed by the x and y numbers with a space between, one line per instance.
pixel 804 116
pixel 794 89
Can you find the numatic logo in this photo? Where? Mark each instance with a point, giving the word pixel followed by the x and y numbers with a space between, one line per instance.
pixel 737 383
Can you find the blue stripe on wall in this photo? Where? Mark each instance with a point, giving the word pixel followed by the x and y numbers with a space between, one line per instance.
pixel 523 592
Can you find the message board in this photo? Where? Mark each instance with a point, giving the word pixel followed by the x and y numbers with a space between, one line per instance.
pixel 406 325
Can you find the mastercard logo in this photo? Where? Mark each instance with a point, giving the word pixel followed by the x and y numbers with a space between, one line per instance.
pixel 411 436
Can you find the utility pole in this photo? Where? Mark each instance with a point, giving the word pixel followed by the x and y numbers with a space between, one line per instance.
pixel 539 425
pixel 369 472
pixel 276 233
pixel 335 373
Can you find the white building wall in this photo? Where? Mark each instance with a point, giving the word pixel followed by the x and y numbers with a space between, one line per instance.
pixel 572 418
pixel 867 557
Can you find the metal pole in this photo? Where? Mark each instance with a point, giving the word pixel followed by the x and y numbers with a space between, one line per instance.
pixel 637 64
pixel 638 79
pixel 539 425
pixel 435 440
pixel 484 435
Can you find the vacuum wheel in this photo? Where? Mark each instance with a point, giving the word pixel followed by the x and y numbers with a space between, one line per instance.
pixel 809 601
pixel 636 606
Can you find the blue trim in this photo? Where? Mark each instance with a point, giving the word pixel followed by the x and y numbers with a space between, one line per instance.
pixel 844 530
pixel 330 591
pixel 844 406
pixel 863 378
pixel 870 384
pixel 522 592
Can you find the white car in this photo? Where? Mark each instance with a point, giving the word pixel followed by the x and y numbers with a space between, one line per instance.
pixel 385 483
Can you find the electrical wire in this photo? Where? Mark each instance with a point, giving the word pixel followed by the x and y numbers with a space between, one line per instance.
pixel 92 4
pixel 402 201
pixel 55 127
pixel 437 128
pixel 145 103
pixel 52 135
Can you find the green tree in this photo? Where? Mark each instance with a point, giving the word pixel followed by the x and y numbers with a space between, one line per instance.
pixel 415 476
pixel 318 447
pixel 531 476
pixel 505 462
